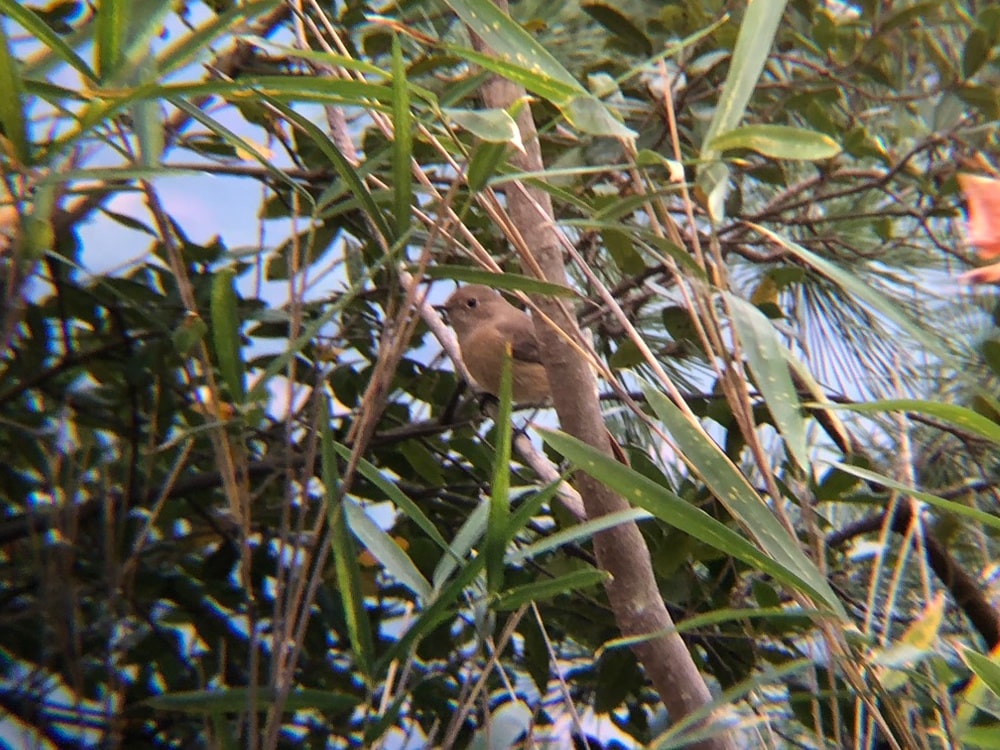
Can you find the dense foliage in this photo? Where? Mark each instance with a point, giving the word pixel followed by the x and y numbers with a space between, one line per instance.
pixel 245 501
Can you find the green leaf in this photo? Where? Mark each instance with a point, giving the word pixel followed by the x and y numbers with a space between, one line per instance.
pixel 642 492
pixel 226 333
pixel 778 142
pixel 715 617
pixel 731 488
pixel 760 24
pixel 767 357
pixel 986 736
pixel 189 334
pixel 960 417
pixel 392 491
pixel 620 25
pixel 147 118
pixel 112 26
pixel 30 21
pixel 509 281
pixel 592 116
pixel 557 91
pixel 384 548
pixel 190 45
pixel 345 555
pixel 575 534
pixel 551 588
pixel 402 142
pixel 496 530
pixel 987 519
pixel 856 286
pixel 986 669
pixel 983 98
pixel 468 535
pixel 485 161
pixel 241 144
pixel 512 44
pixel 236 700
pixel 443 606
pixel 12 120
pixel 623 252
pixel 976 52
pixel 491 125
pixel 345 170
pixel 145 20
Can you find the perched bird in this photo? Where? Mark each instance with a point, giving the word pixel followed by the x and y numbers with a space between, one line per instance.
pixel 485 323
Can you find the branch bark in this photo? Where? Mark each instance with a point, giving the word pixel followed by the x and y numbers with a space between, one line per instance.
pixel 634 596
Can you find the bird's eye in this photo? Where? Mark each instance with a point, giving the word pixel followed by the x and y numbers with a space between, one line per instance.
pixel 471 302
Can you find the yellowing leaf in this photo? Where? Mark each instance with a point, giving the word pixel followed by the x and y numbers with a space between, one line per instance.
pixel 923 633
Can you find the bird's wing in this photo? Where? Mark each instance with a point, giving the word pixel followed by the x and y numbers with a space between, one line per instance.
pixel 521 335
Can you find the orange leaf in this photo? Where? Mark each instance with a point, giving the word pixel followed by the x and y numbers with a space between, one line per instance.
pixel 984 275
pixel 983 227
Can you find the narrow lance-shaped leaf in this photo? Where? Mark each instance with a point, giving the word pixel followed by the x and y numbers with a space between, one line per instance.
pixel 402 141
pixel 732 489
pixel 753 45
pixel 496 530
pixel 767 358
pixel 511 43
pixel 345 557
pixel 226 333
pixel 551 588
pixel 27 19
pixel 492 125
pixel 986 669
pixel 778 142
pixel 392 491
pixel 112 26
pixel 576 534
pixel 959 417
pixel 551 89
pixel 194 43
pixel 950 506
pixel 583 110
pixel 12 119
pixel 856 286
pixel 448 599
pixel 345 170
pixel 986 679
pixel 680 514
pixel 468 535
pixel 385 549
pixel 145 21
pixel 148 125
pixel 508 281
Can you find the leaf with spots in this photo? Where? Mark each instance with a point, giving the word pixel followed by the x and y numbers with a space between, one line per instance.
pixel 512 44
pixel 734 491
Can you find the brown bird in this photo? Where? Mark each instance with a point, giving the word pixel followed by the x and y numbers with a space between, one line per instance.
pixel 485 323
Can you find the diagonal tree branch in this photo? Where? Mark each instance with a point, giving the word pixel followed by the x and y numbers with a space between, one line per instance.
pixel 639 609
